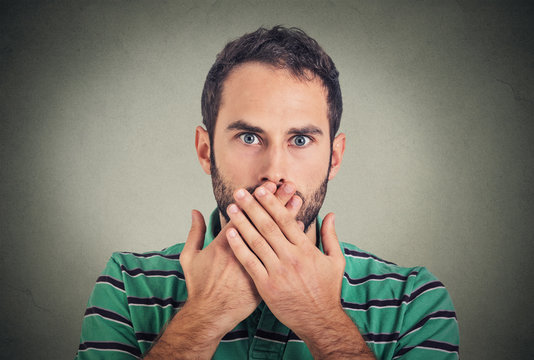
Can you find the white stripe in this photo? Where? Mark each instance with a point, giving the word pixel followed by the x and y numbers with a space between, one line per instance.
pixel 103 317
pixel 424 292
pixel 434 318
pixel 114 350
pixel 152 305
pixel 271 340
pixel 153 276
pixel 112 285
pixel 368 258
pixel 374 306
pixel 144 256
pixel 442 350
pixel 387 278
pixel 234 340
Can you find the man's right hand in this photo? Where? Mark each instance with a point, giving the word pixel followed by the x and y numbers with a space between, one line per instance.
pixel 220 292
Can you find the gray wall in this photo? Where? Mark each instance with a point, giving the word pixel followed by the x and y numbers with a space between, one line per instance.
pixel 99 100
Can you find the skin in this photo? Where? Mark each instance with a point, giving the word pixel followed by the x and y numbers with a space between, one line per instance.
pixel 271 135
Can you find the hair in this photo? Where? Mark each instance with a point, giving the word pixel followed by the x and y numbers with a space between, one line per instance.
pixel 284 48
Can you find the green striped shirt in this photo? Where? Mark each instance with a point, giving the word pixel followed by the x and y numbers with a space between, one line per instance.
pixel 402 313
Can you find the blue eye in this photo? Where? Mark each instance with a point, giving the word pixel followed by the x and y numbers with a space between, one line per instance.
pixel 249 138
pixel 300 140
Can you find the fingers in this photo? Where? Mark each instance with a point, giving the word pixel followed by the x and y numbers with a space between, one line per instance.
pixel 329 238
pixel 268 212
pixel 277 215
pixel 247 258
pixel 286 195
pixel 195 239
pixel 253 234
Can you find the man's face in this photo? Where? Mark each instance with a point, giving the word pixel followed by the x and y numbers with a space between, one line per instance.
pixel 274 127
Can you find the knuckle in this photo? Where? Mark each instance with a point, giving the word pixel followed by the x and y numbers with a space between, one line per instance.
pixel 257 243
pixel 269 228
pixel 250 263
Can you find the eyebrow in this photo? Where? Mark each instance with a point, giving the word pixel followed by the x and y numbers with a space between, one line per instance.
pixel 243 126
pixel 311 130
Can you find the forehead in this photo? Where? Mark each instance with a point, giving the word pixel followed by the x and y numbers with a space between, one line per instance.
pixel 269 96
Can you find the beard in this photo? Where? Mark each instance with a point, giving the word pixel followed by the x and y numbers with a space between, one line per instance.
pixel 223 191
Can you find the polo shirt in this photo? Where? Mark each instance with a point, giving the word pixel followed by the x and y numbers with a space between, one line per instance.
pixel 402 313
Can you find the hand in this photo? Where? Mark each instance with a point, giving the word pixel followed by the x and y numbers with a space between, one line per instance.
pixel 220 292
pixel 217 283
pixel 301 285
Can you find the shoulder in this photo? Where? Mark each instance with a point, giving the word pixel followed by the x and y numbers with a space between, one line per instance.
pixel 412 306
pixel 407 283
pixel 361 262
pixel 168 257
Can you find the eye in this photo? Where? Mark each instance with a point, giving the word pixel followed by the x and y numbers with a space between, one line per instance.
pixel 249 138
pixel 300 140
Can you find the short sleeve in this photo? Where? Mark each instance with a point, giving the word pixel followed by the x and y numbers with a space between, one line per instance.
pixel 107 330
pixel 430 328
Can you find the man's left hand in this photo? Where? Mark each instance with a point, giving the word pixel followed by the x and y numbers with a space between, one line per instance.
pixel 300 284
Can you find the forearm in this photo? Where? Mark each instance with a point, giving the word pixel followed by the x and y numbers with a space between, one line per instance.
pixel 191 334
pixel 336 337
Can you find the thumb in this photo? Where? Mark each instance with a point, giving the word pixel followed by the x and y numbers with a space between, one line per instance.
pixel 329 237
pixel 195 239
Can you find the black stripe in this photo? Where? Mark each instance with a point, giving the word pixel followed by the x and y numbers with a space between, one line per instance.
pixel 145 336
pixel 154 301
pixel 371 303
pixel 432 344
pixel 109 346
pixel 137 271
pixel 108 315
pixel 381 337
pixel 271 335
pixel 434 315
pixel 234 335
pixel 365 255
pixel 110 280
pixel 391 302
pixel 428 286
pixel 293 336
pixel 379 277
pixel 148 255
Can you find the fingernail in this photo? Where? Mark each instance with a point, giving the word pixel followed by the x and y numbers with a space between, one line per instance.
pixel 233 209
pixel 260 191
pixel 240 194
pixel 294 201
pixel 232 233
pixel 269 186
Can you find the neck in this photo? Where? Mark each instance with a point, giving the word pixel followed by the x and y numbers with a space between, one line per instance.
pixel 311 233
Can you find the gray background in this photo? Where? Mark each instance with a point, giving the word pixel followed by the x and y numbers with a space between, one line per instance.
pixel 99 101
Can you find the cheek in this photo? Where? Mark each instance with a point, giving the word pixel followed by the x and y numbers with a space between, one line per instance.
pixel 311 169
pixel 236 165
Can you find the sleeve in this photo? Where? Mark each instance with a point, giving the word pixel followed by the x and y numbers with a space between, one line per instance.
pixel 429 328
pixel 107 330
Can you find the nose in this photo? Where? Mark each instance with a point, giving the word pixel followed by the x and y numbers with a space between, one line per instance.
pixel 274 166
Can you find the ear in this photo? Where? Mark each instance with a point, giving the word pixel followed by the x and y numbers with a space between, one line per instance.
pixel 202 144
pixel 338 149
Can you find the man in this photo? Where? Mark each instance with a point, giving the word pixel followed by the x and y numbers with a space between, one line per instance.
pixel 267 279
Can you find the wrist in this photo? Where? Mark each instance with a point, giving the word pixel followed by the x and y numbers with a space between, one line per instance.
pixel 335 337
pixel 202 318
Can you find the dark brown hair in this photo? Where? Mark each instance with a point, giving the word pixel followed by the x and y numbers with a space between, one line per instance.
pixel 285 48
